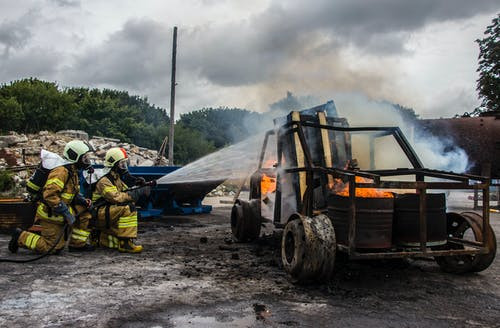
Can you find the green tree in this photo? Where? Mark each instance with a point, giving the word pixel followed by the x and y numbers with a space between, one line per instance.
pixel 11 114
pixel 190 145
pixel 488 83
pixel 222 126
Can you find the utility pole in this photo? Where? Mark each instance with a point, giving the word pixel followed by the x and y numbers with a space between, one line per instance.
pixel 172 101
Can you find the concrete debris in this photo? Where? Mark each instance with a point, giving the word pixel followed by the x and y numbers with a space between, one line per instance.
pixel 20 149
pixel 74 134
pixel 225 189
pixel 24 149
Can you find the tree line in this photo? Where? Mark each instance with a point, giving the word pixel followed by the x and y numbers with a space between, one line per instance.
pixel 31 105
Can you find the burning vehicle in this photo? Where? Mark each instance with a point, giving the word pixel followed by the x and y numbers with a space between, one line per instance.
pixel 361 191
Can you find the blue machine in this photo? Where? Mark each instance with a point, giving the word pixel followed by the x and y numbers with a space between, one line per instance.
pixel 179 198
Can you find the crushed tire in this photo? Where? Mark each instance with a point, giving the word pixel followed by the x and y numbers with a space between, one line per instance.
pixel 308 249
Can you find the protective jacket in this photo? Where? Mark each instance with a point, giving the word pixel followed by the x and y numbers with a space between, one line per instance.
pixel 62 185
pixel 118 218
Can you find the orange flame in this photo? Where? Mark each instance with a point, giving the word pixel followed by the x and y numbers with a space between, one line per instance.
pixel 267 184
pixel 362 192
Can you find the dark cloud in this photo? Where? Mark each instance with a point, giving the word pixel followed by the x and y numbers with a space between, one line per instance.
pixel 14 34
pixel 35 62
pixel 250 51
pixel 136 57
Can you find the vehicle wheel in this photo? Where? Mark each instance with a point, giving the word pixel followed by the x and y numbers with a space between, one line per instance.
pixel 467 225
pixel 245 223
pixel 308 248
pixel 482 261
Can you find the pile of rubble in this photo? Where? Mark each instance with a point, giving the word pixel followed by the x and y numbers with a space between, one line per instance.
pixel 20 149
pixel 228 188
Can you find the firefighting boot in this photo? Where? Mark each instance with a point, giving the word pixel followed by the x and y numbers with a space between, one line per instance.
pixel 94 238
pixel 127 246
pixel 13 243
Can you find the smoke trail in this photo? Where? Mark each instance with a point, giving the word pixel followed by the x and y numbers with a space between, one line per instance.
pixel 233 162
pixel 240 160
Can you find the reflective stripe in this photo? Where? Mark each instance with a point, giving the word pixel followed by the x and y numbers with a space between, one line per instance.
pixel 127 221
pixel 45 215
pixel 31 240
pixel 75 236
pixel 80 234
pixel 32 185
pixel 67 196
pixel 56 181
pixel 112 242
pixel 110 189
pixel 96 197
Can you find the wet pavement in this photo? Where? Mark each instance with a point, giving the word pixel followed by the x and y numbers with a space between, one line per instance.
pixel 191 274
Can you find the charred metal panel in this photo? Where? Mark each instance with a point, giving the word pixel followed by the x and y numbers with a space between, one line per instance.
pixel 373 220
pixel 406 219
pixel 479 137
pixel 16 213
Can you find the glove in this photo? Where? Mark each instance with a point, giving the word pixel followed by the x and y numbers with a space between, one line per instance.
pixel 80 200
pixel 137 193
pixel 140 181
pixel 63 210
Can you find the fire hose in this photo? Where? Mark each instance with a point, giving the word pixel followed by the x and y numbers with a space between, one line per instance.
pixel 66 226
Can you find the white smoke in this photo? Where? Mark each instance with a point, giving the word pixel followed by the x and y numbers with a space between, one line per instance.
pixel 434 153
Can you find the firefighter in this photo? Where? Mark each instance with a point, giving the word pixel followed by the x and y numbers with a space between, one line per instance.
pixel 61 201
pixel 117 218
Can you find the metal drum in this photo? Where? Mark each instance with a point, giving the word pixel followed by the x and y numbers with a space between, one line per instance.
pixel 373 220
pixel 406 220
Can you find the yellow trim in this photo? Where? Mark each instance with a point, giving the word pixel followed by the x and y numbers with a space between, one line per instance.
pixel 110 189
pixel 300 156
pixel 81 232
pixel 56 181
pixel 127 225
pixel 325 138
pixel 112 241
pixel 75 236
pixel 96 196
pixel 67 196
pixel 33 186
pixel 45 215
pixel 127 218
pixel 31 240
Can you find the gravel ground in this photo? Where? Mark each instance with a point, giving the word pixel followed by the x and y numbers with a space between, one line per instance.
pixel 191 274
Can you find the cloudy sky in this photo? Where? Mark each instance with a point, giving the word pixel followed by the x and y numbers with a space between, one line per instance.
pixel 247 54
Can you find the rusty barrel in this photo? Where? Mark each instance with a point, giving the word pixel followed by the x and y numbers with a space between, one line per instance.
pixel 406 219
pixel 14 213
pixel 373 220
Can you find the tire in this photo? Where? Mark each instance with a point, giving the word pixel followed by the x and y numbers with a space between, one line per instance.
pixel 483 261
pixel 457 226
pixel 245 220
pixel 308 249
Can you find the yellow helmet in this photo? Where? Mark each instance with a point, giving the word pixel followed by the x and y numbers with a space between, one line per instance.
pixel 114 155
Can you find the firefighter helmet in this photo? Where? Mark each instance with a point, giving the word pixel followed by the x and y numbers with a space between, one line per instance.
pixel 74 150
pixel 114 155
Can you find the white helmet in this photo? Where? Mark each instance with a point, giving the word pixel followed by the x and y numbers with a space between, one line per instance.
pixel 114 155
pixel 74 150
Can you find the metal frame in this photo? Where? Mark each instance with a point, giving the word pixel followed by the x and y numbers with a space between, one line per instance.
pixel 458 181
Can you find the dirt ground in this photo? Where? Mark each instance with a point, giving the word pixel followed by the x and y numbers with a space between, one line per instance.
pixel 191 274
